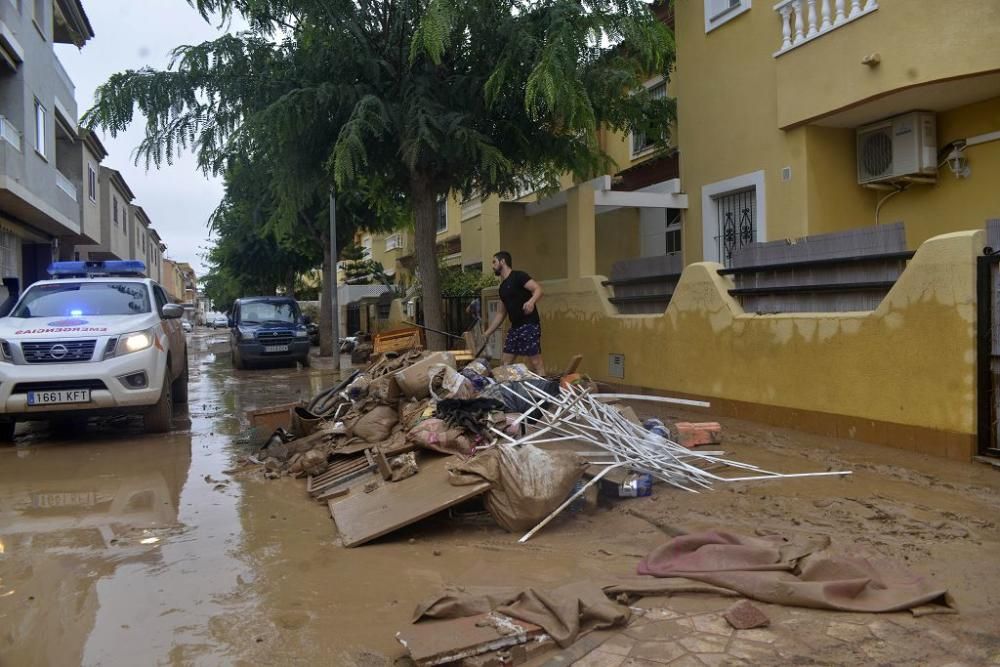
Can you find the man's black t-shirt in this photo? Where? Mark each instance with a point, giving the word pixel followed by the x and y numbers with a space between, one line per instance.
pixel 514 295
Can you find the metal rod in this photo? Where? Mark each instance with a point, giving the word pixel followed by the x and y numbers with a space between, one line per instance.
pixel 596 478
pixel 421 326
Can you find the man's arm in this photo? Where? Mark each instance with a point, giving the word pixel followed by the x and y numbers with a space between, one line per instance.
pixel 536 294
pixel 497 320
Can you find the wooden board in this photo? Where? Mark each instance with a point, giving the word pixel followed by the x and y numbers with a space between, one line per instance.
pixel 363 517
pixel 396 340
pixel 445 641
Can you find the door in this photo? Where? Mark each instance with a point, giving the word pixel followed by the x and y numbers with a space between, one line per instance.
pixel 988 352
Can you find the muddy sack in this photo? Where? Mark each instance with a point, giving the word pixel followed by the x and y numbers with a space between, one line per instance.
pixel 445 382
pixel 528 483
pixel 435 434
pixel 413 380
pixel 376 425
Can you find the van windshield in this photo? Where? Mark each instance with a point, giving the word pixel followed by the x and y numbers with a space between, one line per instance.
pixel 73 299
pixel 267 312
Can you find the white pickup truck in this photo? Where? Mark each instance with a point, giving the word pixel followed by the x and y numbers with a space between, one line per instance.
pixel 99 338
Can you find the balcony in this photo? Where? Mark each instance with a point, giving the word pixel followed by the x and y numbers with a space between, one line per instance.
pixel 63 76
pixel 65 185
pixel 834 56
pixel 805 20
pixel 10 134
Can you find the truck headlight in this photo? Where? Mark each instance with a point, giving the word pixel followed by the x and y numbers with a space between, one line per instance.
pixel 301 333
pixel 134 342
pixel 5 354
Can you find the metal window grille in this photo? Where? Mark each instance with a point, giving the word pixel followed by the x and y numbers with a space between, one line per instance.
pixel 737 220
pixel 394 241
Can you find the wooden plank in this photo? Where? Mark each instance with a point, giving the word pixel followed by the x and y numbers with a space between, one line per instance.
pixel 383 464
pixel 438 642
pixel 363 517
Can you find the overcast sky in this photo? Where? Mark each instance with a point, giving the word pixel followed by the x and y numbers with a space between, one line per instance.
pixel 132 34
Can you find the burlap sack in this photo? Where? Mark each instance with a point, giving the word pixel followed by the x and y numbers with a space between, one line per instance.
pixel 528 483
pixel 376 425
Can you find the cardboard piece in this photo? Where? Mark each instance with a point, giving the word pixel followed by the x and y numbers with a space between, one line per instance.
pixel 444 641
pixel 363 517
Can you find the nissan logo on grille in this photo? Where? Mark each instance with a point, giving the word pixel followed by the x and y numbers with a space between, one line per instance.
pixel 58 351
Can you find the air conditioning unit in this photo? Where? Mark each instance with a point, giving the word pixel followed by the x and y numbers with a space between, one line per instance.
pixel 897 148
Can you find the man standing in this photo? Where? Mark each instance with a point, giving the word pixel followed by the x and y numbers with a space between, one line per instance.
pixel 519 294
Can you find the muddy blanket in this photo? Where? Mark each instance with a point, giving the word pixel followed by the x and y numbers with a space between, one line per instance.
pixel 564 612
pixel 799 572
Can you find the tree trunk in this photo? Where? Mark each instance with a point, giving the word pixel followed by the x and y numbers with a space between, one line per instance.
pixel 326 341
pixel 290 283
pixel 425 233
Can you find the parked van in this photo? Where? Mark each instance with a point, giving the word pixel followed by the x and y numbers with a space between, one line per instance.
pixel 267 329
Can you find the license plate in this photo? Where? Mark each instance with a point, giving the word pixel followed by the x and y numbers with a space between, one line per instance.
pixel 79 499
pixel 276 348
pixel 58 396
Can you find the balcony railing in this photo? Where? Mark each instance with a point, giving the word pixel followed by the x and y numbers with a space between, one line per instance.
pixel 9 133
pixel 804 20
pixel 61 72
pixel 394 242
pixel 66 185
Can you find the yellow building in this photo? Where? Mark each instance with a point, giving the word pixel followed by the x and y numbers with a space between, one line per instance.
pixel 784 108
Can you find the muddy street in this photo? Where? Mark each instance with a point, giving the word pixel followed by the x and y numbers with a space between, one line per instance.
pixel 120 548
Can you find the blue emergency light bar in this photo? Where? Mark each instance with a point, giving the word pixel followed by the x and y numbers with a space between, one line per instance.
pixel 111 267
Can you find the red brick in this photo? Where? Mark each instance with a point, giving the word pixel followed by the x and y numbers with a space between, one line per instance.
pixel 695 434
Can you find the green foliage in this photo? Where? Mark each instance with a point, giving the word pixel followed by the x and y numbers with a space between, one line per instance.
pixel 399 102
pixel 456 282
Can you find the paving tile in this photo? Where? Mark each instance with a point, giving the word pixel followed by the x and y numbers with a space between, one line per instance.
pixel 848 632
pixel 721 660
pixel 699 604
pixel 888 631
pixel 636 662
pixel 661 614
pixel 712 624
pixel 687 661
pixel 754 653
pixel 619 645
pixel 600 659
pixel 659 631
pixel 662 652
pixel 757 635
pixel 704 643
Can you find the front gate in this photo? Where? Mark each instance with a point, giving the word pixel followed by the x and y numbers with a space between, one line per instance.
pixel 988 385
pixel 353 318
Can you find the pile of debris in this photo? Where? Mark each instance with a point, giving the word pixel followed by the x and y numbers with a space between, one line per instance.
pixel 416 433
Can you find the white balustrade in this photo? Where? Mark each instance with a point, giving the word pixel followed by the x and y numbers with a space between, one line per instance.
pixel 805 20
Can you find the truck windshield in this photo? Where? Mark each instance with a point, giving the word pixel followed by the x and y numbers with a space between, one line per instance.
pixel 79 299
pixel 262 312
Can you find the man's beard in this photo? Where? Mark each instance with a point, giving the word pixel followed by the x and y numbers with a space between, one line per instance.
pixel 497 272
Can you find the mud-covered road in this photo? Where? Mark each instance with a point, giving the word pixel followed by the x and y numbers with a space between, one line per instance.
pixel 120 548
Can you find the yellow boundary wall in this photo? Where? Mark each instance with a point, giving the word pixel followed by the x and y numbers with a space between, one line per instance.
pixel 902 375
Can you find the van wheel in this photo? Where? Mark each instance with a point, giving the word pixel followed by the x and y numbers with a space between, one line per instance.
pixel 180 385
pixel 7 427
pixel 160 417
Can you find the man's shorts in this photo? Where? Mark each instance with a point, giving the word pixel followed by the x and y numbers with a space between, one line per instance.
pixel 524 340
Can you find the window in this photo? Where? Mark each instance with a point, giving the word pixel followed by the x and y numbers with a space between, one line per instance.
pixel 40 16
pixel 161 298
pixel 39 128
pixel 393 242
pixel 91 182
pixel 366 246
pixel 8 254
pixel 442 215
pixel 718 12
pixel 673 236
pixel 733 216
pixel 82 299
pixel 114 209
pixel 640 142
pixel 76 256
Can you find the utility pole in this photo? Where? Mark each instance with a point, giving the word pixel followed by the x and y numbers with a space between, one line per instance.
pixel 333 280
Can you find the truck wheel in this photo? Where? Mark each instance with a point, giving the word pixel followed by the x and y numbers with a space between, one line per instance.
pixel 160 417
pixel 7 427
pixel 238 361
pixel 305 361
pixel 180 385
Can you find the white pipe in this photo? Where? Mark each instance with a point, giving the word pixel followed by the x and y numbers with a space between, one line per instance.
pixel 596 478
pixel 655 399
